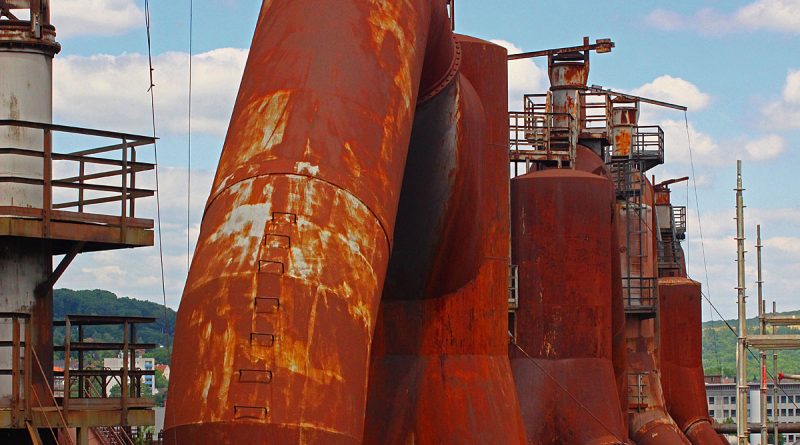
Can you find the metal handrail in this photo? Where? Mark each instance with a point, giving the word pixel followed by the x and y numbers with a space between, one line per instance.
pixel 105 174
pixel 640 293
pixel 679 219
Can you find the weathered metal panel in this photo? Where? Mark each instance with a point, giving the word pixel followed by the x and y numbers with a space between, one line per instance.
pixel 440 372
pixel 561 239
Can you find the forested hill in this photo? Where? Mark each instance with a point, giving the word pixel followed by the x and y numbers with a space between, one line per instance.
pixel 101 302
pixel 719 349
pixel 719 343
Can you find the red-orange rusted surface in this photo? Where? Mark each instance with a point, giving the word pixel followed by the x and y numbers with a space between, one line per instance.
pixel 682 359
pixel 274 329
pixel 440 371
pixel 562 227
pixel 649 421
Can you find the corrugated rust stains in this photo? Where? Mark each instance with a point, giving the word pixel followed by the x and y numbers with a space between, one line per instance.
pixel 681 359
pixel 439 372
pixel 287 276
pixel 562 229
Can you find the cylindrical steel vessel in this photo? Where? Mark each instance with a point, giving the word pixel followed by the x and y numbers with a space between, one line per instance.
pixel 561 238
pixel 274 330
pixel 26 93
pixel 682 359
pixel 440 373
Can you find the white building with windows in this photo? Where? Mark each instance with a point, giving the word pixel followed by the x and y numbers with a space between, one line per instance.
pixel 722 406
pixel 147 364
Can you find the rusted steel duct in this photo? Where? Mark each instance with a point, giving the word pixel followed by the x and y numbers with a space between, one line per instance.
pixel 624 117
pixel 682 359
pixel 568 73
pixel 440 372
pixel 274 329
pixel 649 421
pixel 561 238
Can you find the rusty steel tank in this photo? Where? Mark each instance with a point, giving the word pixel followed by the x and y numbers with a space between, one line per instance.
pixel 275 327
pixel 649 420
pixel 681 359
pixel 562 231
pixel 440 372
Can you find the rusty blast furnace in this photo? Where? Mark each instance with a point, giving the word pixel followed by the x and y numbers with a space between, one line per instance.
pixel 368 273
pixel 350 281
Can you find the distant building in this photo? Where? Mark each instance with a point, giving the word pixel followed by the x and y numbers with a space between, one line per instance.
pixel 164 370
pixel 722 404
pixel 147 364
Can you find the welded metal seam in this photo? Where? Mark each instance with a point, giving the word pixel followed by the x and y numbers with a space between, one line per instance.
pixel 294 173
pixel 448 78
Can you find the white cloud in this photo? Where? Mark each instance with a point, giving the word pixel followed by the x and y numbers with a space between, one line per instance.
pixel 780 255
pixel 765 148
pixel 100 17
pixel 770 15
pixel 666 20
pixel 784 113
pixel 104 91
pixel 137 272
pixel 778 15
pixel 524 77
pixel 674 90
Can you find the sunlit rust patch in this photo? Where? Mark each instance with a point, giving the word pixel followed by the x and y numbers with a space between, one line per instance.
pixel 385 18
pixel 622 143
pixel 263 127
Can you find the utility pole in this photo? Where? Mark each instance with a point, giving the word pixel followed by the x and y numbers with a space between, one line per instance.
pixel 742 432
pixel 762 330
pixel 775 382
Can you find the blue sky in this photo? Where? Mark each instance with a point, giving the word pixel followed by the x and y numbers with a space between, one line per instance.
pixel 734 63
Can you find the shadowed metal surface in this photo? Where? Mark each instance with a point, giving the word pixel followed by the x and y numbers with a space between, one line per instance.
pixel 440 373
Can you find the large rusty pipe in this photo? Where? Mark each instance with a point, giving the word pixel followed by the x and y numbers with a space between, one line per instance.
pixel 681 358
pixel 274 330
pixel 440 373
pixel 561 239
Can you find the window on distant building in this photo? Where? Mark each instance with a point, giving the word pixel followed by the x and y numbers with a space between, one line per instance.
pixel 769 399
pixel 733 399
pixel 711 413
pixel 711 400
pixel 783 399
pixel 726 413
pixel 733 413
pixel 791 412
pixel 726 400
pixel 783 412
pixel 769 412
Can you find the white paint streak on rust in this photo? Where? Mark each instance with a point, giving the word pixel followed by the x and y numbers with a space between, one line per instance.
pixel 306 168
